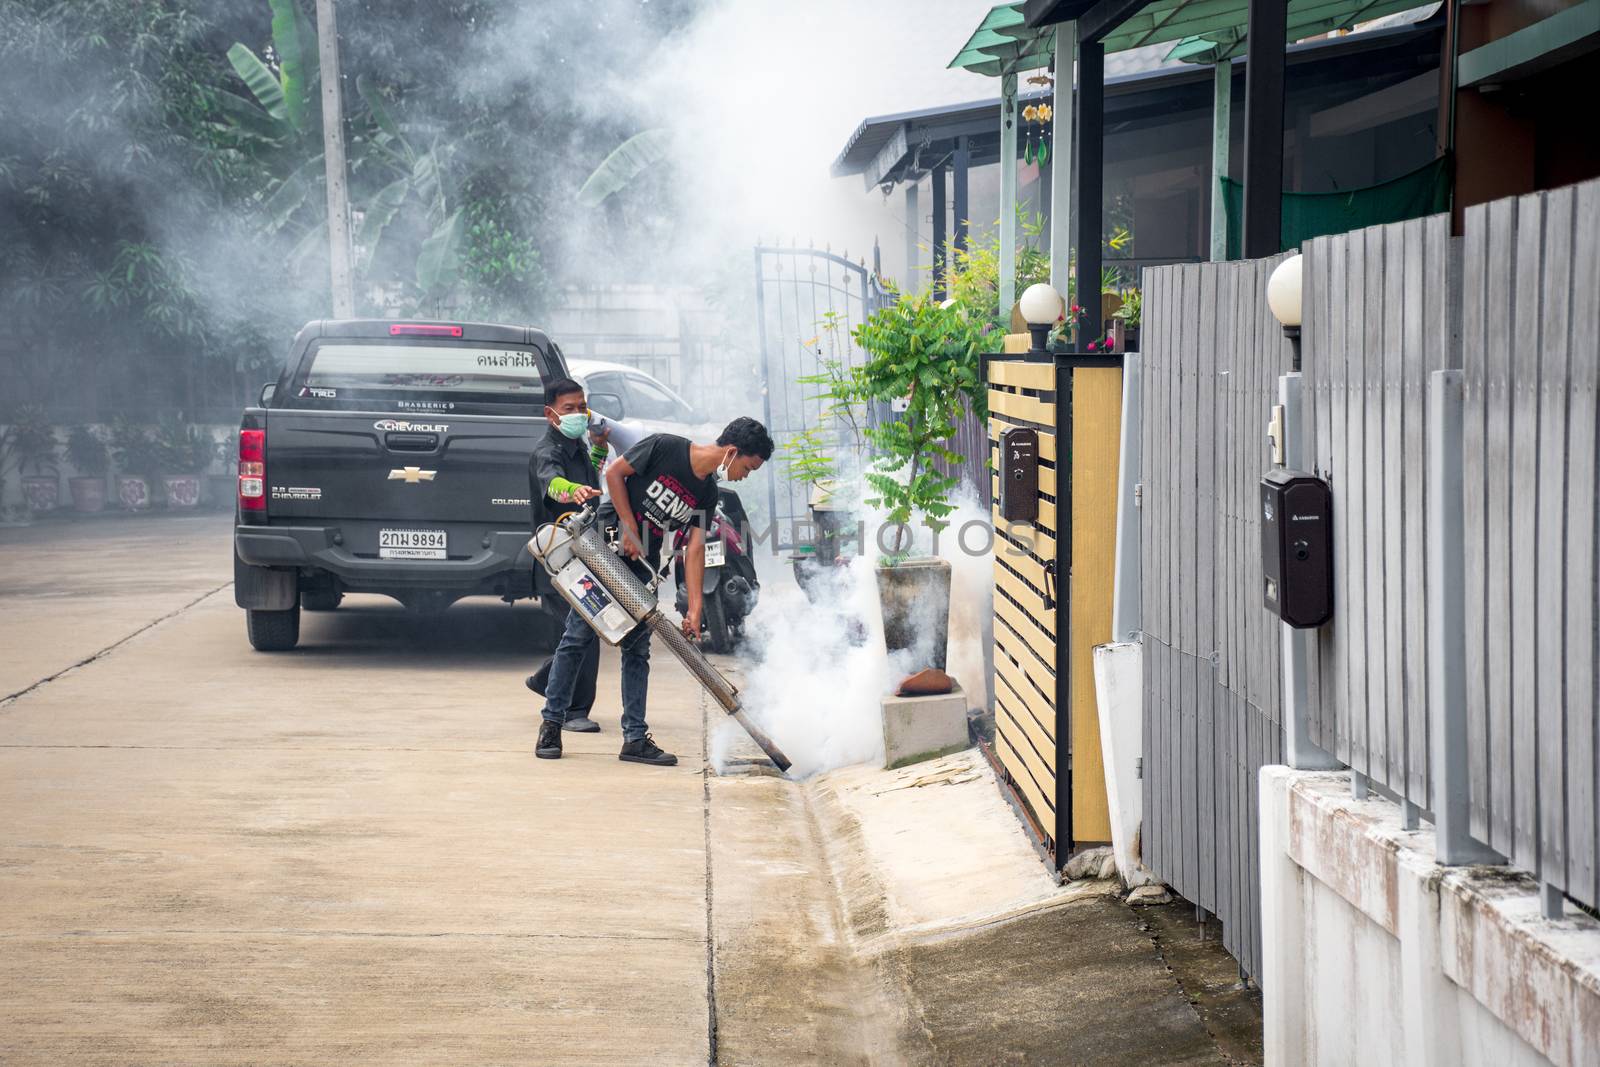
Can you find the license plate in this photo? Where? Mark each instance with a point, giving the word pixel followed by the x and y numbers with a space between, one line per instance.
pixel 715 556
pixel 411 544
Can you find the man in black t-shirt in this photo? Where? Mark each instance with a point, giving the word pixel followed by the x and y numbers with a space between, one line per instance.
pixel 659 485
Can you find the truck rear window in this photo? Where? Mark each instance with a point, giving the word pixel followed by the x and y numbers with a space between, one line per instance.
pixel 386 376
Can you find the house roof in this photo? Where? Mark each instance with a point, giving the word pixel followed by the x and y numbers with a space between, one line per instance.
pixel 1205 30
pixel 889 148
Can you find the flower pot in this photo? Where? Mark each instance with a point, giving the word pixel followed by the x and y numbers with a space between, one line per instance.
pixel 42 492
pixel 916 610
pixel 133 492
pixel 183 490
pixel 221 491
pixel 88 494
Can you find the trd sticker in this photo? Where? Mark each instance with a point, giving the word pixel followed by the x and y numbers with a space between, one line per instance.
pixel 296 492
pixel 319 393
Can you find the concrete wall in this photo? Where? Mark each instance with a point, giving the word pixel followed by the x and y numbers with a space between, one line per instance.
pixel 1375 954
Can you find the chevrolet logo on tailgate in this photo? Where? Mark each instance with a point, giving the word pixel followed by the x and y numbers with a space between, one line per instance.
pixel 411 475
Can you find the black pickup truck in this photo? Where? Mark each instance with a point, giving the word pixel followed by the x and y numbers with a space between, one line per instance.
pixel 389 457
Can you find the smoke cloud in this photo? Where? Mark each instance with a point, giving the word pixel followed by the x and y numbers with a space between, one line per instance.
pixel 816 666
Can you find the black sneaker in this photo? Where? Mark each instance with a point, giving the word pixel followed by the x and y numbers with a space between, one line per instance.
pixel 645 750
pixel 581 724
pixel 549 746
pixel 535 683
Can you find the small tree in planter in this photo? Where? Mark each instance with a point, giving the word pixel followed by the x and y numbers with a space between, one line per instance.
pixel 222 476
pixel 182 453
pixel 136 459
pixel 90 459
pixel 927 355
pixel 35 452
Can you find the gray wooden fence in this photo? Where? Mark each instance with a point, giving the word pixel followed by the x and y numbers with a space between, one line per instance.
pixel 1379 318
pixel 1530 344
pixel 1212 355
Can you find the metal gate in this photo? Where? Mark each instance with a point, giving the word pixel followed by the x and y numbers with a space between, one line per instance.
pixel 808 303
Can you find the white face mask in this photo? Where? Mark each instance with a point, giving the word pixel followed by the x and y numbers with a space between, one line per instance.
pixel 722 468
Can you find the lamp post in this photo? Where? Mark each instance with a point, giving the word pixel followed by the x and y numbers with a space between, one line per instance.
pixel 1283 297
pixel 1041 308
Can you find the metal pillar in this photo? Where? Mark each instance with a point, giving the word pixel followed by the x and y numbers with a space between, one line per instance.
pixel 908 283
pixel 1008 195
pixel 959 164
pixel 940 251
pixel 1127 617
pixel 1089 148
pixel 339 249
pixel 1221 123
pixel 1299 751
pixel 1268 25
pixel 1061 158
pixel 1447 640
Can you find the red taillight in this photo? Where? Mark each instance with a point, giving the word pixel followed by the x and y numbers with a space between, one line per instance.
pixel 252 470
pixel 419 330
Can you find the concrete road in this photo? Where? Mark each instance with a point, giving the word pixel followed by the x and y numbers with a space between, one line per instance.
pixel 212 856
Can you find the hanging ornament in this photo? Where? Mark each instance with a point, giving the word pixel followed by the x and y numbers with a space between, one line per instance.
pixel 1044 152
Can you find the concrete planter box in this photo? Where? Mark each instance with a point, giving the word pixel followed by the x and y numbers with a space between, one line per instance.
pixel 42 492
pixel 133 492
pixel 182 490
pixel 88 495
pixel 221 491
pixel 924 727
pixel 916 610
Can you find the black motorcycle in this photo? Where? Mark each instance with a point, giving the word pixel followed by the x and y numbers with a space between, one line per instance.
pixel 731 587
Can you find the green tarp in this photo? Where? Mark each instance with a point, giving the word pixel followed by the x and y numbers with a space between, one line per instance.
pixel 1425 191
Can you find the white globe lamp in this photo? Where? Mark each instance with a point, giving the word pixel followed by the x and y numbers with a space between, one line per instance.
pixel 1041 308
pixel 1283 297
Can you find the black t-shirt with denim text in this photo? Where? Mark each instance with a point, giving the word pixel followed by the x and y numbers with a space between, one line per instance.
pixel 664 491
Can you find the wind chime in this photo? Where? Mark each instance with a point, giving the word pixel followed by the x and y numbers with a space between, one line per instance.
pixel 1037 115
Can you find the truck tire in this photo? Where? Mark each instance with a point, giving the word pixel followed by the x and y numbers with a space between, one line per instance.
pixel 273 631
pixel 320 599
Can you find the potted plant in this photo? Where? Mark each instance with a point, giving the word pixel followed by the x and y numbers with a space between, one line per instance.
pixel 927 355
pixel 182 454
pixel 831 448
pixel 87 452
pixel 136 458
pixel 1125 325
pixel 222 478
pixel 35 451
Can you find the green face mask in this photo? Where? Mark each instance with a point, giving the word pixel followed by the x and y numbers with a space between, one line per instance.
pixel 574 424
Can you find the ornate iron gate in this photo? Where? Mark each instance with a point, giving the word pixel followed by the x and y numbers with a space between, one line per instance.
pixel 808 303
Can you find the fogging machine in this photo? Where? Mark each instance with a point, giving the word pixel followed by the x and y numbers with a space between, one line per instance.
pixel 602 589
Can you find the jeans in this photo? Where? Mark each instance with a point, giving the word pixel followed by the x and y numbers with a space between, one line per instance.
pixel 582 701
pixel 565 666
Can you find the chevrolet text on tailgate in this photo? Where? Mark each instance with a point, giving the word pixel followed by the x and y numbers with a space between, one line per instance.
pixel 389 457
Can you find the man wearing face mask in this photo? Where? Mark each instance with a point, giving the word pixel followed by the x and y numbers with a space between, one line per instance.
pixel 564 474
pixel 660 484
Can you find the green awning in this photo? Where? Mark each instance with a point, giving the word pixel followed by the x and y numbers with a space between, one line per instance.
pixel 1210 31
pixel 1207 31
pixel 1003 44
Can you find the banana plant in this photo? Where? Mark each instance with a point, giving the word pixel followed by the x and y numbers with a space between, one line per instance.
pixel 629 160
pixel 421 181
pixel 281 119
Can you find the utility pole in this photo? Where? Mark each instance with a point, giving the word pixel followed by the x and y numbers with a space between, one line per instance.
pixel 339 249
